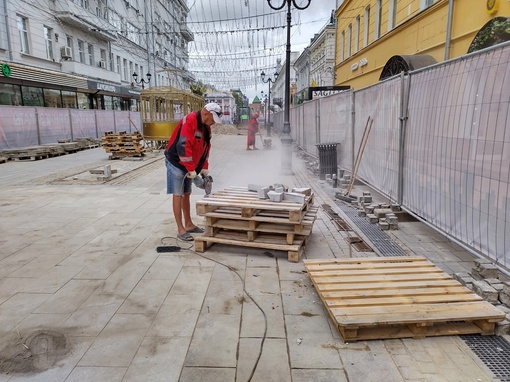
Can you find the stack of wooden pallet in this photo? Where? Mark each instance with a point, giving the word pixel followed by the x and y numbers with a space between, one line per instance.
pixel 123 144
pixel 398 297
pixel 236 216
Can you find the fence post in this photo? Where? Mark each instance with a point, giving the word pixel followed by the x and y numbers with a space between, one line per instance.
pixel 37 127
pixel 95 120
pixel 71 125
pixel 404 104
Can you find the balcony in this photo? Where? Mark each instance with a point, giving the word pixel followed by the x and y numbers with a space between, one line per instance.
pixel 74 15
pixel 187 33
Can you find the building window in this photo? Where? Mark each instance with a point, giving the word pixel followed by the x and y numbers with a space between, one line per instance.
pixel 349 39
pixel 48 37
pixel 69 43
pixel 52 98
pixel 23 34
pixel 90 54
pixel 426 3
pixel 131 71
pixel 378 15
pixel 356 34
pixel 342 46
pixel 117 69
pixel 102 53
pixel 392 14
pixel 125 70
pixel 366 30
pixel 81 51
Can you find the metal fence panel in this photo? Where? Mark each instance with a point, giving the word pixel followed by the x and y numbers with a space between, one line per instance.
pixel 457 151
pixel 83 123
pixel 18 127
pixel 380 155
pixel 336 125
pixel 54 125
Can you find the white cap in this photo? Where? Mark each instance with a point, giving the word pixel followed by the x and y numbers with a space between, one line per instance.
pixel 215 110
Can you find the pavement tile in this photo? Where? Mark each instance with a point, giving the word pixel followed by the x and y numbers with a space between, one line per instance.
pixel 253 319
pixel 319 375
pixel 119 341
pixel 214 342
pixel 299 298
pixel 310 343
pixel 179 311
pixel 209 374
pixel 97 374
pixel 273 364
pixel 147 297
pixel 158 359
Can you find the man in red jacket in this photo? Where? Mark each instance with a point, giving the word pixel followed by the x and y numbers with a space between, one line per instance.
pixel 186 155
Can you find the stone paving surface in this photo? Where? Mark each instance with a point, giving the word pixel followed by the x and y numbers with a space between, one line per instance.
pixel 84 296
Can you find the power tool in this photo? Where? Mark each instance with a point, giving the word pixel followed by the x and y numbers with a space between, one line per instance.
pixel 204 182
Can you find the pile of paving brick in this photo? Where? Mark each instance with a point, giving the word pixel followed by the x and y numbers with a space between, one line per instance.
pixel 382 214
pixel 487 281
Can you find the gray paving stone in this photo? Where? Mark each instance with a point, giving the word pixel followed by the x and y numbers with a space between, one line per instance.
pixel 319 375
pixel 147 297
pixel 117 344
pixel 310 343
pixel 158 359
pixel 214 342
pixel 97 374
pixel 209 374
pixel 252 324
pixel 272 366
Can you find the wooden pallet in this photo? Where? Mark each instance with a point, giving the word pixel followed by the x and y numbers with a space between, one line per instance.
pixel 277 222
pixel 261 241
pixel 249 205
pixel 398 297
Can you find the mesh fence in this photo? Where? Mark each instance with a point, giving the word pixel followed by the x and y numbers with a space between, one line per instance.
pixel 435 141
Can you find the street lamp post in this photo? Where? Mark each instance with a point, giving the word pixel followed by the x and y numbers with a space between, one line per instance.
pixel 142 80
pixel 269 81
pixel 286 138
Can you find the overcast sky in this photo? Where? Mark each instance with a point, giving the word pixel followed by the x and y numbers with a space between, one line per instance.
pixel 234 40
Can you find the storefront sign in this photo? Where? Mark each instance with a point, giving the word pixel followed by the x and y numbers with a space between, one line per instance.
pixel 324 91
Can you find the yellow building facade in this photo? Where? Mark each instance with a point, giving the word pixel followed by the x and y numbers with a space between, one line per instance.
pixel 372 32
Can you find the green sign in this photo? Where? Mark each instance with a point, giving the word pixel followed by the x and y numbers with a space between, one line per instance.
pixel 6 70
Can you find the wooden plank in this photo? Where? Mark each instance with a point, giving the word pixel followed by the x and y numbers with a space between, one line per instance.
pixel 401 300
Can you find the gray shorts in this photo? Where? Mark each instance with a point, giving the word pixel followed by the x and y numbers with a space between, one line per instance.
pixel 176 181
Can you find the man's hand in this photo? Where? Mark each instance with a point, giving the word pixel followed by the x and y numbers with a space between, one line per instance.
pixel 192 174
pixel 204 172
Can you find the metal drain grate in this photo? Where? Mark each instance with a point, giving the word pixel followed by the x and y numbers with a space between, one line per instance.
pixel 493 351
pixel 379 239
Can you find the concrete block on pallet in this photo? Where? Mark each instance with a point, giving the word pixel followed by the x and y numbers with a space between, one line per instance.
pixel 372 218
pixel 275 196
pixel 485 291
pixel 262 192
pixel 294 197
pixel 254 187
pixel 464 278
pixel 303 190
pixel 279 189
pixel 383 225
pixel 504 294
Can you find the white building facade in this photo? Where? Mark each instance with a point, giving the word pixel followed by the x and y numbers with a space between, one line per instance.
pixel 83 53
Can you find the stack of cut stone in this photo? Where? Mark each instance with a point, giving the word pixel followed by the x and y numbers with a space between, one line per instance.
pixel 278 193
pixel 486 281
pixel 380 213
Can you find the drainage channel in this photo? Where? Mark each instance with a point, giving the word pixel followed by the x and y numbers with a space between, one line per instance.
pixel 493 351
pixel 378 238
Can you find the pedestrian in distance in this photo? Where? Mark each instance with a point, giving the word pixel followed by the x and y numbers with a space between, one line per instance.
pixel 253 129
pixel 186 155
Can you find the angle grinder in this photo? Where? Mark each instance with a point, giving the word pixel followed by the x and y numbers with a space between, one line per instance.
pixel 204 183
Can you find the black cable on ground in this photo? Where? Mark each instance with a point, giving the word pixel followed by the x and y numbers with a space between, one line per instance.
pixel 244 290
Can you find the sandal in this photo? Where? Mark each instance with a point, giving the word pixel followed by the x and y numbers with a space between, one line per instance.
pixel 196 230
pixel 185 236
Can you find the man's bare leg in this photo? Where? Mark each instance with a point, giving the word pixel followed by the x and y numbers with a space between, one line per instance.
pixel 186 212
pixel 177 209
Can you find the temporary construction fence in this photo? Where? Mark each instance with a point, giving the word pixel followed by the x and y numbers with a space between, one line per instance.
pixel 22 126
pixel 439 144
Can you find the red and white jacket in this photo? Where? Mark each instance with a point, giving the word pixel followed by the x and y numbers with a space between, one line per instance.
pixel 188 147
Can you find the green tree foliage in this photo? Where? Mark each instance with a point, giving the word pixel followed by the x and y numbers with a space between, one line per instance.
pixel 198 88
pixel 494 32
pixel 238 98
